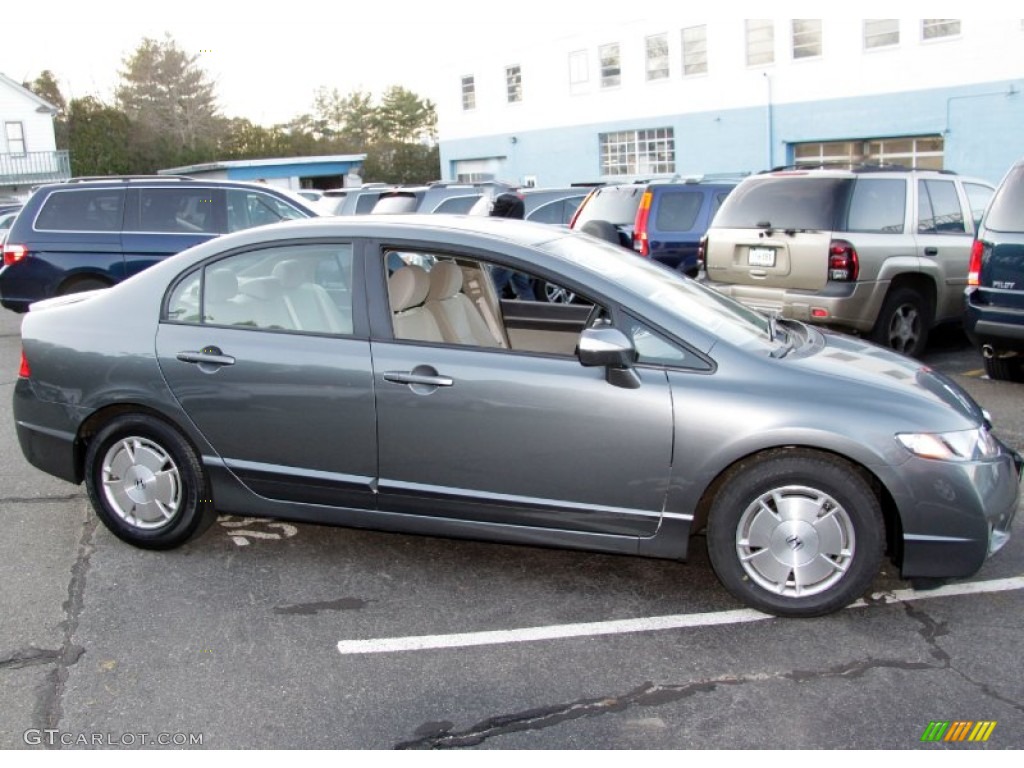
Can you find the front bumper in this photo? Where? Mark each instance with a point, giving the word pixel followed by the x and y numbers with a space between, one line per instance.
pixel 954 515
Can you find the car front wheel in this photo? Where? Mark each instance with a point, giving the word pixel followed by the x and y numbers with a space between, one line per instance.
pixel 796 533
pixel 146 483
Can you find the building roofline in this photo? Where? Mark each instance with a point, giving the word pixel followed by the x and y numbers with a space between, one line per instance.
pixel 185 170
pixel 25 91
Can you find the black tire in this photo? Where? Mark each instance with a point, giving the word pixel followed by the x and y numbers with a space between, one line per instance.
pixel 1004 368
pixel 819 522
pixel 904 322
pixel 83 285
pixel 147 484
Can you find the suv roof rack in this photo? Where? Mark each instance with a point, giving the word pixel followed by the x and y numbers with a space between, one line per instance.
pixel 141 177
pixel 857 167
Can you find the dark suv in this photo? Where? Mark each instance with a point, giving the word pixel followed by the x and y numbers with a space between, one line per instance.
pixel 91 233
pixel 661 218
pixel 994 316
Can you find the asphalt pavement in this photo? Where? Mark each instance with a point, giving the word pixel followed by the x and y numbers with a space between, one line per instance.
pixel 233 640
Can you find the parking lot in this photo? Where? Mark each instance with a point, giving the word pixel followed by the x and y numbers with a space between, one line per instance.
pixel 257 635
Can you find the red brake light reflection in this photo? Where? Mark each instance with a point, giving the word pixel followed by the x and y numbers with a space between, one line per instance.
pixel 23 370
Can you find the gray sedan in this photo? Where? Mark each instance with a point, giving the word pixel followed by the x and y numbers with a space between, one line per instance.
pixel 364 372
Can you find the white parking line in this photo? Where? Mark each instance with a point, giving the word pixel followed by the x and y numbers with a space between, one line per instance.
pixel 651 624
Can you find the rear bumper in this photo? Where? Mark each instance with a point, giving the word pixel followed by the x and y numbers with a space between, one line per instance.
pixel 46 433
pixel 954 515
pixel 852 306
pixel 999 327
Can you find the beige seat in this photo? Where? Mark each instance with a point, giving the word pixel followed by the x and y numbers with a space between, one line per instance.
pixel 407 289
pixel 309 305
pixel 458 318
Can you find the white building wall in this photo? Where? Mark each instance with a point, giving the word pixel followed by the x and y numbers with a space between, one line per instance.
pixel 15 106
pixel 987 50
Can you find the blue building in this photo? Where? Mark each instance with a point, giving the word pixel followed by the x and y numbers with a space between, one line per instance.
pixel 678 95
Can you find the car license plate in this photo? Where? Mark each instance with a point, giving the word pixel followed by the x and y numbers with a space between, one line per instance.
pixel 761 257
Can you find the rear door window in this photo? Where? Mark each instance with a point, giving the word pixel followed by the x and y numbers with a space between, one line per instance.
pixel 938 209
pixel 82 210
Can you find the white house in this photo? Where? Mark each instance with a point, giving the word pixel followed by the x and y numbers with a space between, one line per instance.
pixel 28 150
pixel 660 92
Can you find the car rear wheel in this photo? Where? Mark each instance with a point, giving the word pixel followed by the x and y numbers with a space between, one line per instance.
pixel 796 533
pixel 903 323
pixel 146 483
pixel 551 293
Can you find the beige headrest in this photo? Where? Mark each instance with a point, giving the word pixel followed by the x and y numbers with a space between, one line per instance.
pixel 445 281
pixel 408 287
pixel 221 284
pixel 291 273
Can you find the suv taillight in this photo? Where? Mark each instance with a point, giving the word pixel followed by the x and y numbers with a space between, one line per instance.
pixel 23 370
pixel 974 270
pixel 640 244
pixel 843 264
pixel 14 253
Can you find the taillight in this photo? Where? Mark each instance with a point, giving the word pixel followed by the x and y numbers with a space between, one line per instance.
pixel 843 264
pixel 640 244
pixel 23 370
pixel 974 270
pixel 702 252
pixel 14 253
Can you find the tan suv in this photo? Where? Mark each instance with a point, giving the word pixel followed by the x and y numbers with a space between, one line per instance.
pixel 880 251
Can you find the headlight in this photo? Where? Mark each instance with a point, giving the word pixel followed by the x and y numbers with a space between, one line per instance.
pixel 968 445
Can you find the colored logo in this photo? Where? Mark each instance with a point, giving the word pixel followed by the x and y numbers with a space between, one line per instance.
pixel 958 730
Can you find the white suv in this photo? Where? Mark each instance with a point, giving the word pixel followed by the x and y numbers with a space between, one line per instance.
pixel 876 250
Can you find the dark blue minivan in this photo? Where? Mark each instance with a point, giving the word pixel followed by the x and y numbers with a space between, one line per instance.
pixel 91 233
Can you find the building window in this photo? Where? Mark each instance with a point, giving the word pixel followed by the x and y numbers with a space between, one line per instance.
pixel 695 50
pixel 15 133
pixel 932 29
pixel 657 57
pixel 514 83
pixel 579 72
pixel 629 153
pixel 909 151
pixel 468 92
pixel 760 41
pixel 611 65
pixel 879 33
pixel 806 38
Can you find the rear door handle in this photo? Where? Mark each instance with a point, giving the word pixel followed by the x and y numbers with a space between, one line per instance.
pixel 207 356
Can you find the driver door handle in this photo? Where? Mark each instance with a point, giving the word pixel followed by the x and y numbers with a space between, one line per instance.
pixel 209 356
pixel 410 377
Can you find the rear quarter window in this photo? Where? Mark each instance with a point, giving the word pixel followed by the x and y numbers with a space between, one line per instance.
pixel 1006 213
pixel 82 210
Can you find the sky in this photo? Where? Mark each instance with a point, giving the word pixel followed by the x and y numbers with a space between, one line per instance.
pixel 267 59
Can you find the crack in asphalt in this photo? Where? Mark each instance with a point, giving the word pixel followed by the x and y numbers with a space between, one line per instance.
pixel 309 609
pixel 41 499
pixel 439 734
pixel 49 708
pixel 29 657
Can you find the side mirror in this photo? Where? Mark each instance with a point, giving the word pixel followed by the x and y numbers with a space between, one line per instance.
pixel 612 349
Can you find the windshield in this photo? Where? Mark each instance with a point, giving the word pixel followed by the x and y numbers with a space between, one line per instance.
pixel 670 291
pixel 785 202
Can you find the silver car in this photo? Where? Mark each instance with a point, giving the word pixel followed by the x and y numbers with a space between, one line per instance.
pixel 363 372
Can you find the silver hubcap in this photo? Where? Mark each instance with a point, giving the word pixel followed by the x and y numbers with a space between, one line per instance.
pixel 904 328
pixel 795 541
pixel 558 295
pixel 141 483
